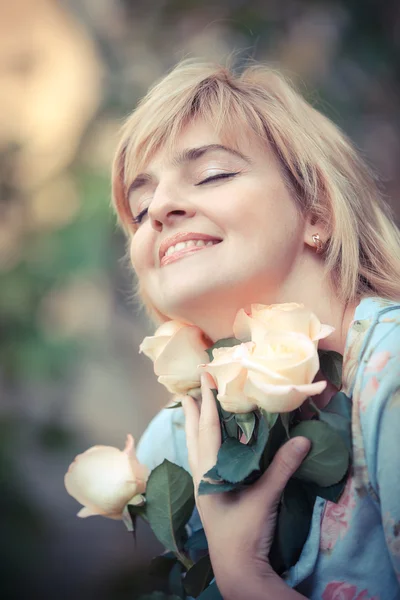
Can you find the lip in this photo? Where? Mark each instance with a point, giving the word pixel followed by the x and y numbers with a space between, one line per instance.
pixel 183 237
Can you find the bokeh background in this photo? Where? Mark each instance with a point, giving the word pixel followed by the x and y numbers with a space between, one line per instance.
pixel 70 373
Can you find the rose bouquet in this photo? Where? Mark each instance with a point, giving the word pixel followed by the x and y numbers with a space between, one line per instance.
pixel 264 383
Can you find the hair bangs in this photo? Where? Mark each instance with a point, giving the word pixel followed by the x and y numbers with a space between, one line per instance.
pixel 157 126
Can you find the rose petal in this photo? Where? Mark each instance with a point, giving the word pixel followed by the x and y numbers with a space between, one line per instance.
pixel 152 346
pixel 324 331
pixel 86 512
pixel 285 398
pixel 236 403
pixel 177 386
pixel 137 500
pixel 300 363
pixel 290 317
pixel 242 326
pixel 182 355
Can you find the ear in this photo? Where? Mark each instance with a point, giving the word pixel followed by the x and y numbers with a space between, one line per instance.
pixel 316 233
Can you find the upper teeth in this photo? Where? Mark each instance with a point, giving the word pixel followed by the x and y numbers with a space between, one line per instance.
pixel 188 244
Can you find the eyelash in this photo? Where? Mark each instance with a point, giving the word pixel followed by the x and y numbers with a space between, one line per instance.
pixel 138 219
pixel 216 177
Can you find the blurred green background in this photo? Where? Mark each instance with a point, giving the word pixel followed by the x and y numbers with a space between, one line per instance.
pixel 70 373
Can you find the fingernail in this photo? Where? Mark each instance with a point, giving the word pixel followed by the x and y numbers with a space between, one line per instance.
pixel 301 445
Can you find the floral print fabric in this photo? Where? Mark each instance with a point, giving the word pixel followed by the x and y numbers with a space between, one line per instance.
pixel 353 548
pixel 337 590
pixel 337 518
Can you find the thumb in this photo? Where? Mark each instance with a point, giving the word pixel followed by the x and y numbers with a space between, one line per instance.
pixel 286 461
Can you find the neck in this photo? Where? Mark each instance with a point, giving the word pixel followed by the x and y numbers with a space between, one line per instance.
pixel 216 316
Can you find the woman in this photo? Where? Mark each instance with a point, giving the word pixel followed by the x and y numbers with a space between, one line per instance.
pixel 233 190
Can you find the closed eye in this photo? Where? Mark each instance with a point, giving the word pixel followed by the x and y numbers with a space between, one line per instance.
pixel 216 177
pixel 138 219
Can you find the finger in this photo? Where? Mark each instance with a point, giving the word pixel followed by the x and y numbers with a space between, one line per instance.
pixel 209 426
pixel 286 461
pixel 192 416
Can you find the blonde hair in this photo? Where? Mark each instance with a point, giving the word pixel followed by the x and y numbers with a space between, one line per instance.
pixel 328 178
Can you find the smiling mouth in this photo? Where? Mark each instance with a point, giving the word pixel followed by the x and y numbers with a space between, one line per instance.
pixel 177 254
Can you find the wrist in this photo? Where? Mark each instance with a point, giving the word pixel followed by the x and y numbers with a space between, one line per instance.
pixel 258 586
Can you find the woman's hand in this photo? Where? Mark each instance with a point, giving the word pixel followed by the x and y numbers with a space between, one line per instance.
pixel 239 525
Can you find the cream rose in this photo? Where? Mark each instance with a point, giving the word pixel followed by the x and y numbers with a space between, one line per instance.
pixel 105 479
pixel 275 374
pixel 177 350
pixel 291 317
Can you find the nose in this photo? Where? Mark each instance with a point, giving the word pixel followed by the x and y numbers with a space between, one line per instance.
pixel 168 207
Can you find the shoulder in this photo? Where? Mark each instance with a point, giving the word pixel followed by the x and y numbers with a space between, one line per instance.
pixel 373 341
pixel 376 384
pixel 164 438
pixel 379 359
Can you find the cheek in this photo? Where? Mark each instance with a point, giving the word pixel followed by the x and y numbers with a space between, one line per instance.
pixel 140 253
pixel 133 253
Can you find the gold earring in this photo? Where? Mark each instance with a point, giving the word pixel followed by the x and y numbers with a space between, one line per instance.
pixel 318 243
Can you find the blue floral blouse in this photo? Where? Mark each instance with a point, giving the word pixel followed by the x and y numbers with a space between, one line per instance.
pixel 353 548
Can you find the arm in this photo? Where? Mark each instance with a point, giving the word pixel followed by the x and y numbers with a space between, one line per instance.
pixel 239 545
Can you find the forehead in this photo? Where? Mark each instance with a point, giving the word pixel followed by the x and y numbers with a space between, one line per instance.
pixel 200 133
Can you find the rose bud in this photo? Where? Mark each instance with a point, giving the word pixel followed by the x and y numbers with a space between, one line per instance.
pixel 105 479
pixel 177 349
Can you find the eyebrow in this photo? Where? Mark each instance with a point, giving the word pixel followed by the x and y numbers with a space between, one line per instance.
pixel 186 156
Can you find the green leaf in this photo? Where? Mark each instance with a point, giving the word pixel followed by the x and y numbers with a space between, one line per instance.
pixel 328 460
pixel 223 343
pixel 260 438
pixel 211 593
pixel 198 577
pixel 340 404
pixel 170 503
pixel 227 420
pixel 293 525
pixel 269 417
pixel 205 487
pixel 331 364
pixel 224 414
pixel 213 474
pixel 332 492
pixel 236 461
pixel 337 414
pixel 247 423
pixel 134 513
pixel 276 437
pixel 231 427
pixel 286 418
pixel 138 511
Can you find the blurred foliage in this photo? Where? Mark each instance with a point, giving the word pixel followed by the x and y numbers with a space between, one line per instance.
pixel 52 258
